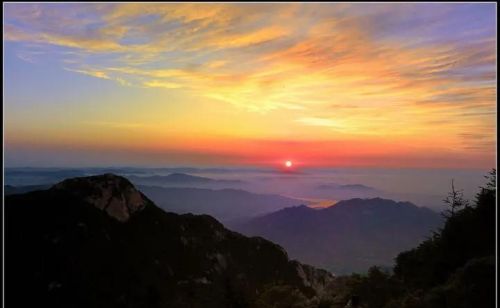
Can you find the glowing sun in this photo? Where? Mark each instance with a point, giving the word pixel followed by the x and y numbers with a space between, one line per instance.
pixel 288 163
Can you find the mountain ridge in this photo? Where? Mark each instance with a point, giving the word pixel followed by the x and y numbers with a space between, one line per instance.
pixel 179 178
pixel 224 204
pixel 350 236
pixel 64 248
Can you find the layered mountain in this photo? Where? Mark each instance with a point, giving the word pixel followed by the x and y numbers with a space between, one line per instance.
pixel 11 189
pixel 99 242
pixel 346 191
pixel 223 204
pixel 39 176
pixel 352 187
pixel 181 180
pixel 348 237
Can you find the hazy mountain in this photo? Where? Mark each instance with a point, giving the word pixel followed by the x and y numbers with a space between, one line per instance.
pixel 356 187
pixel 10 190
pixel 346 191
pixel 224 204
pixel 455 267
pixel 38 176
pixel 180 179
pixel 349 236
pixel 98 242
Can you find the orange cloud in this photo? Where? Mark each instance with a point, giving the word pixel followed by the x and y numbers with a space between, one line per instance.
pixel 268 71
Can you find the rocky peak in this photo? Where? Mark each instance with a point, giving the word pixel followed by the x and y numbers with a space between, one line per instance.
pixel 108 192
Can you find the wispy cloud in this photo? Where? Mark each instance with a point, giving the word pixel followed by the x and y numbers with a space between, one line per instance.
pixel 385 69
pixel 161 84
pixel 93 73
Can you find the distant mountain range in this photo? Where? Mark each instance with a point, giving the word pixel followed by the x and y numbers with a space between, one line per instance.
pixel 346 191
pixel 178 179
pixel 11 190
pixel 348 237
pixel 356 187
pixel 224 204
pixel 39 176
pixel 98 242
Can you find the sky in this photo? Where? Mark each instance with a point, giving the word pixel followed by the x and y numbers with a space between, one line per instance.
pixel 408 85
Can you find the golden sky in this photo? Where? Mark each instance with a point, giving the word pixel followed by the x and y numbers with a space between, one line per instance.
pixel 325 84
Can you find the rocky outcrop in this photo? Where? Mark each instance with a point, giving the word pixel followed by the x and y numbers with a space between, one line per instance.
pixel 111 193
pixel 315 278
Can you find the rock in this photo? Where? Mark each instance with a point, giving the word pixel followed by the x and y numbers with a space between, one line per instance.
pixel 111 193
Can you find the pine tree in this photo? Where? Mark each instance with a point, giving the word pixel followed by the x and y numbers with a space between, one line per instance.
pixel 454 201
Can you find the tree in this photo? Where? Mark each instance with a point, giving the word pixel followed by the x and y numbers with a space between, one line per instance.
pixel 455 267
pixel 454 201
pixel 491 185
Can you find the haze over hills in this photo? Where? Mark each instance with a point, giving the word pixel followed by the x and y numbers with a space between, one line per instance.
pixel 224 204
pixel 348 237
pixel 354 187
pixel 98 242
pixel 39 176
pixel 182 180
pixel 347 191
pixel 144 176
pixel 314 237
pixel 11 190
pixel 424 188
pixel 455 267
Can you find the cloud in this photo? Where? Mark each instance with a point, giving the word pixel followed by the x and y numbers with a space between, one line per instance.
pixel 370 69
pixel 161 84
pixel 93 73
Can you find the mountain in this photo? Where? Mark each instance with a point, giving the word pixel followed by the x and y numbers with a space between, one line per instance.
pixel 346 191
pixel 11 190
pixel 356 187
pixel 99 242
pixel 455 267
pixel 224 204
pixel 39 176
pixel 179 179
pixel 173 177
pixel 348 237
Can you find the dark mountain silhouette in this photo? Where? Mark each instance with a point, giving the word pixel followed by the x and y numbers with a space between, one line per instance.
pixel 224 204
pixel 98 242
pixel 348 237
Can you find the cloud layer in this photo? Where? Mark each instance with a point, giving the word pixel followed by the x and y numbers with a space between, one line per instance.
pixel 424 73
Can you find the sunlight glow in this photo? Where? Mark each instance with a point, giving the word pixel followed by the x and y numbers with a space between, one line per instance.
pixel 336 84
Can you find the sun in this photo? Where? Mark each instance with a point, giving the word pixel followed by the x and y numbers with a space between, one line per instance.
pixel 288 164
